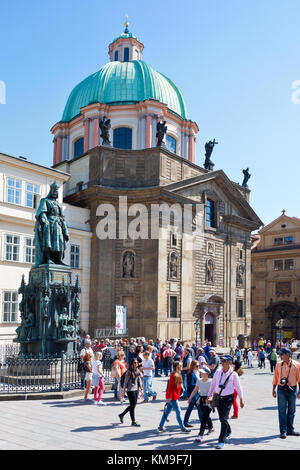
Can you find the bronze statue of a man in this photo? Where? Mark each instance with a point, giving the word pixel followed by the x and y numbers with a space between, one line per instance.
pixel 247 176
pixel 51 233
pixel 105 127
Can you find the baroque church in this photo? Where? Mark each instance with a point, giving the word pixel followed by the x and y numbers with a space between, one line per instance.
pixel 173 285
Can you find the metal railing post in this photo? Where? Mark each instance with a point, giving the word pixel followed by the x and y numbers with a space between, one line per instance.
pixel 62 370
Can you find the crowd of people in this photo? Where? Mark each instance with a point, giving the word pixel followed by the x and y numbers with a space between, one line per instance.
pixel 199 375
pixel 191 371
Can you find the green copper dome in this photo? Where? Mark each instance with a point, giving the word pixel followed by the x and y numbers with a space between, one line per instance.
pixel 125 83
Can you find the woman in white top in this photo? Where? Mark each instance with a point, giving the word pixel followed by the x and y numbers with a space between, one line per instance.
pixel 98 378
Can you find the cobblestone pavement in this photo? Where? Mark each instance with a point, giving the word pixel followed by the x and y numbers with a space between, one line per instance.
pixel 75 425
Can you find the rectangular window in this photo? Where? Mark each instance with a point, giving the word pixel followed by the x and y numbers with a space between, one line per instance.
pixel 29 251
pixel 11 248
pixel 288 264
pixel 75 256
pixel 210 213
pixel 241 254
pixel 173 239
pixel 278 241
pixel 14 190
pixel 10 307
pixel 278 265
pixel 173 306
pixel 32 192
pixel 288 240
pixel 240 309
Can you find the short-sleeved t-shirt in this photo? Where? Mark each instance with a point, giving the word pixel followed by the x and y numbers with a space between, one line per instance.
pixel 147 364
pixel 95 365
pixel 203 387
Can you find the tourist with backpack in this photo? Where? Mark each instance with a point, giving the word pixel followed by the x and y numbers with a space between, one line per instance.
pixel 132 385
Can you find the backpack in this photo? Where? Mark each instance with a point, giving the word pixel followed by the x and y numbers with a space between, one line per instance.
pixel 79 367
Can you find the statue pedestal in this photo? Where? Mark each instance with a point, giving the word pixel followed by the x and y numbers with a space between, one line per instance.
pixel 49 311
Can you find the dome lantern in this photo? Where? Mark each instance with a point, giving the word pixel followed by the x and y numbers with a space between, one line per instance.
pixel 126 47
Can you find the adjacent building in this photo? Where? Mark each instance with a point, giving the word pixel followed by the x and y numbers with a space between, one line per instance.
pixel 275 293
pixel 22 184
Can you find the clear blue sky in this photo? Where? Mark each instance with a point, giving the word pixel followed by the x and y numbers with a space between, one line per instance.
pixel 234 61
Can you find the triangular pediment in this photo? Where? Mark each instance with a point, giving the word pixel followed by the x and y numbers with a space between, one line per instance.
pixel 217 182
pixel 282 222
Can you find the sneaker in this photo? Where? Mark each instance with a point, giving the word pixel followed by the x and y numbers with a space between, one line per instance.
pixel 101 403
pixel 228 436
pixel 134 423
pixel 188 426
pixel 160 429
pixel 121 418
pixel 145 401
pixel 154 397
pixel 199 438
pixel 293 433
pixel 220 446
pixel 185 430
pixel 283 435
pixel 210 431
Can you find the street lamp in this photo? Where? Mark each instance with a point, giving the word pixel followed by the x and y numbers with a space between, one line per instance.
pixel 197 326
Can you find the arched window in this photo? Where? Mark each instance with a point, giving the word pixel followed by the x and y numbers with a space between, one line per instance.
pixel 78 147
pixel 126 54
pixel 116 56
pixel 171 143
pixel 123 138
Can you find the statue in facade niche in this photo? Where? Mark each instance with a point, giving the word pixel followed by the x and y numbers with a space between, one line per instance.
pixel 209 146
pixel 240 275
pixel 173 265
pixel 105 126
pixel 210 271
pixel 128 265
pixel 51 233
pixel 161 130
pixel 247 176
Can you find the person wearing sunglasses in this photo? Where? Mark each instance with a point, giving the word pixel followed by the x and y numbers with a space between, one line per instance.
pixel 132 384
pixel 191 377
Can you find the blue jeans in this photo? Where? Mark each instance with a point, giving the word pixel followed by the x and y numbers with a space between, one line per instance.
pixel 158 367
pixel 184 385
pixel 190 409
pixel 175 406
pixel 286 410
pixel 147 386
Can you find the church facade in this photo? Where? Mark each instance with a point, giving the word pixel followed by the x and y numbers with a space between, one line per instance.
pixel 185 273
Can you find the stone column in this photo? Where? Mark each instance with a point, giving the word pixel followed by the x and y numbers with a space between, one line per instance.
pixel 86 123
pixel 54 151
pixel 96 132
pixel 148 131
pixel 59 149
pixel 191 148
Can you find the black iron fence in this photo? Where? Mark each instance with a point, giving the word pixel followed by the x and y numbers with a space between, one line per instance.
pixel 40 374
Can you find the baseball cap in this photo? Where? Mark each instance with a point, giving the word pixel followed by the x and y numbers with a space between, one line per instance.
pixel 227 357
pixel 285 351
pixel 205 370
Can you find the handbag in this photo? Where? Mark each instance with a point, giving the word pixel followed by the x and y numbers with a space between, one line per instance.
pixel 216 396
